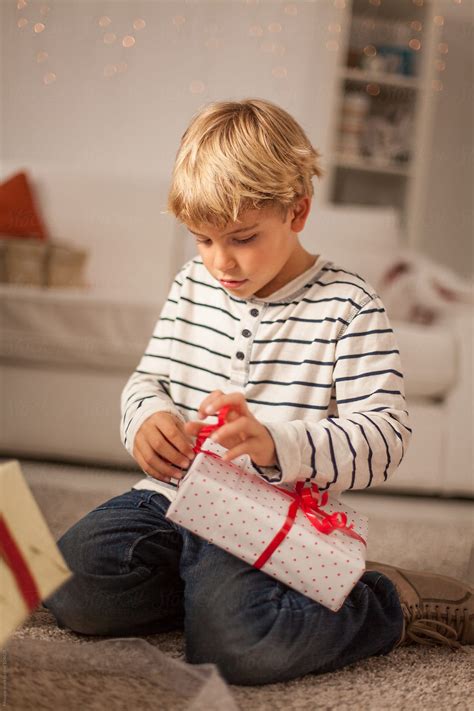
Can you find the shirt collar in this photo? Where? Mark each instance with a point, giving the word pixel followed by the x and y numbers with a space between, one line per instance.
pixel 295 287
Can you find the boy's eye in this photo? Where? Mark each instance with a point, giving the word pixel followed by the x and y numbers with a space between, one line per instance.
pixel 237 241
pixel 244 241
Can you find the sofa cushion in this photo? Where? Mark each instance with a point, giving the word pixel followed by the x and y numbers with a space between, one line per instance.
pixel 428 355
pixel 82 331
pixel 72 328
pixel 19 215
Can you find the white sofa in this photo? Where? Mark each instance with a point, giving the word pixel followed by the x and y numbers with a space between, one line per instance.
pixel 66 354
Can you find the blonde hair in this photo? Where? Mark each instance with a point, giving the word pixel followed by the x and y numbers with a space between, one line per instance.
pixel 239 155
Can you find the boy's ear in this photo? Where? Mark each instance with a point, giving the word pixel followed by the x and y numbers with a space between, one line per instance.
pixel 301 212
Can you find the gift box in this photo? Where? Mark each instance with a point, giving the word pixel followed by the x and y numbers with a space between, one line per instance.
pixel 31 565
pixel 310 542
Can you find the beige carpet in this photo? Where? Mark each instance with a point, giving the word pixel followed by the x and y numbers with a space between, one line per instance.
pixel 413 532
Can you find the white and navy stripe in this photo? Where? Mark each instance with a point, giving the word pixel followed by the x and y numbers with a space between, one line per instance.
pixel 317 361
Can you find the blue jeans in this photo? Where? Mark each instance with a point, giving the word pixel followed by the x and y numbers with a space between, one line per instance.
pixel 136 572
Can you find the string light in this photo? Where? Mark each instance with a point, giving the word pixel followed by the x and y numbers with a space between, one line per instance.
pixel 110 70
pixel 373 89
pixel 139 24
pixel 128 41
pixel 268 46
pixel 291 10
pixel 414 44
pixel 109 38
pixel 214 43
pixel 22 22
pixel 104 21
pixel 197 87
pixel 370 50
pixel 443 48
pixel 275 27
pixel 49 78
pixel 438 20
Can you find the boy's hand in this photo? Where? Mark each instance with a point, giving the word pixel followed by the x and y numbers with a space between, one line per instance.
pixel 243 433
pixel 161 444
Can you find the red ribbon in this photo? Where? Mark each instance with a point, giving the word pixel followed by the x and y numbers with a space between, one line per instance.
pixel 308 499
pixel 19 567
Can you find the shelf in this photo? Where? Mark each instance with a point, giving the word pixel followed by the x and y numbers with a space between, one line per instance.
pixel 396 80
pixel 366 164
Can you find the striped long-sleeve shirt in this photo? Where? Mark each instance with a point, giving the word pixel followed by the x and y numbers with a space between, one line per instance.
pixel 317 362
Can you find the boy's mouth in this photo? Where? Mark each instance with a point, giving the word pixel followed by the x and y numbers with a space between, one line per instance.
pixel 232 284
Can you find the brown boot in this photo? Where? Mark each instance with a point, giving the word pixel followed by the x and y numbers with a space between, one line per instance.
pixel 436 609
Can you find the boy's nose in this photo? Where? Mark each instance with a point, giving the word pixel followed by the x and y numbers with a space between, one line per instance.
pixel 224 263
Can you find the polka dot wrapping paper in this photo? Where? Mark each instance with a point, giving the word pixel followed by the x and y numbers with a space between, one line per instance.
pixel 231 506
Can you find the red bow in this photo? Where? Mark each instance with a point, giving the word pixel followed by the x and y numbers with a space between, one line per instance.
pixel 308 499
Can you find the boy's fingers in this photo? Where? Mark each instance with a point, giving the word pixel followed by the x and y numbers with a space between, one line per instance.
pixel 236 452
pixel 167 453
pixel 235 400
pixel 208 401
pixel 239 427
pixel 155 466
pixel 175 435
pixel 193 428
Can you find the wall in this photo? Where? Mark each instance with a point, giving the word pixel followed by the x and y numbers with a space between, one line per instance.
pixel 448 220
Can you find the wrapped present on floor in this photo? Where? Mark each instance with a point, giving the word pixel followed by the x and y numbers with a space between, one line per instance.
pixel 31 565
pixel 308 541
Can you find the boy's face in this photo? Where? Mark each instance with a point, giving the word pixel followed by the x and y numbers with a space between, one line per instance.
pixel 258 254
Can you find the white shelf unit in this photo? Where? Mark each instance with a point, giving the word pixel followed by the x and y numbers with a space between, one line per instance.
pixel 362 177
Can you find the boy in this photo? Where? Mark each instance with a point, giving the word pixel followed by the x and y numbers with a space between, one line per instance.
pixel 303 352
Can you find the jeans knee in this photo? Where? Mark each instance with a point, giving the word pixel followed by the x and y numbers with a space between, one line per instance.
pixel 72 614
pixel 243 668
pixel 243 654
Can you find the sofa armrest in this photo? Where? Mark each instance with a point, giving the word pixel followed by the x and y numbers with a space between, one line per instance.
pixel 458 469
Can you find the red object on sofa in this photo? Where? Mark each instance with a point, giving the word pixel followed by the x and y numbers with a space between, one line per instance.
pixel 19 216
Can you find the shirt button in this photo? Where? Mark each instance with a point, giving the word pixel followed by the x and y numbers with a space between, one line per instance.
pixel 240 355
pixel 246 333
pixel 254 312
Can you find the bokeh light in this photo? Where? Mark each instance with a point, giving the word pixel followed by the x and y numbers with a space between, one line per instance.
pixel 197 87
pixel 49 78
pixel 373 89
